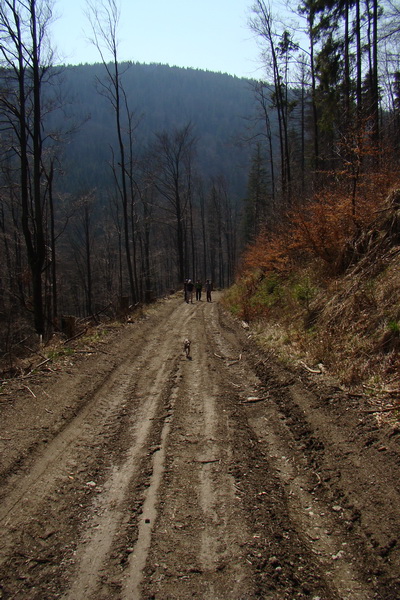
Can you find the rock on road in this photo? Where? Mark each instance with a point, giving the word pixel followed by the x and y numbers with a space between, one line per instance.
pixel 137 473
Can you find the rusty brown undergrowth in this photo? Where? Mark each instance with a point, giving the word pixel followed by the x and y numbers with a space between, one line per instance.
pixel 325 289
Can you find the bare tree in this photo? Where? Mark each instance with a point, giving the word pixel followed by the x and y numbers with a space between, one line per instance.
pixel 104 19
pixel 173 155
pixel 26 60
pixel 262 95
pixel 277 49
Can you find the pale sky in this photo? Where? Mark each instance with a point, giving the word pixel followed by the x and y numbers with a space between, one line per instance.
pixel 204 34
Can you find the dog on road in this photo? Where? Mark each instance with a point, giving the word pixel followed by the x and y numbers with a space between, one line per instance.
pixel 186 347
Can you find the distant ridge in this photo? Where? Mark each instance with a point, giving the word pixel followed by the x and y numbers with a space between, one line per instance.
pixel 162 97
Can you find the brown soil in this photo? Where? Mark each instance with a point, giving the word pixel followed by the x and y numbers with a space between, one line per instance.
pixel 132 472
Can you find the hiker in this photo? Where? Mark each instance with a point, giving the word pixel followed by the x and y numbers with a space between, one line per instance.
pixel 208 290
pixel 198 285
pixel 189 291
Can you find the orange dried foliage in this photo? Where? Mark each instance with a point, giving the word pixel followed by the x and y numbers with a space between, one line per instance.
pixel 267 253
pixel 319 228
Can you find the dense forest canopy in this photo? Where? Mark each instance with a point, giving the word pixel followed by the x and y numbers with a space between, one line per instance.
pixel 119 180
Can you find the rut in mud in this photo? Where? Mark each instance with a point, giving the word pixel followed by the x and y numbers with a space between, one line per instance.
pixel 139 474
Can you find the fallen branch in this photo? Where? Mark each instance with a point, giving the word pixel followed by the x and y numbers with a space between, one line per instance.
pixel 231 360
pixel 75 336
pixel 29 390
pixel 381 390
pixel 319 371
pixel 380 410
pixel 37 367
pixel 46 360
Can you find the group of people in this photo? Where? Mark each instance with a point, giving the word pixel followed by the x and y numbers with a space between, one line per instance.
pixel 189 287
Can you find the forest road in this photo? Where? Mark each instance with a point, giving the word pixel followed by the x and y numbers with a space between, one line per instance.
pixel 135 473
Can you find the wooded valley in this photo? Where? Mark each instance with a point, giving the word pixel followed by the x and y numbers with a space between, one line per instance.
pixel 120 180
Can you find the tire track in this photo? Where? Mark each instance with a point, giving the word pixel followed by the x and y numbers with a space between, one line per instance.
pixel 200 524
pixel 137 382
pixel 204 484
pixel 323 527
pixel 134 573
pixel 155 370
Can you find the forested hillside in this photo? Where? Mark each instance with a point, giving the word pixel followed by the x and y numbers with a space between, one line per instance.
pixel 161 98
pixel 119 180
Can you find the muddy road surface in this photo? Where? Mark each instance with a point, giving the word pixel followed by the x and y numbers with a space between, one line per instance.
pixel 136 473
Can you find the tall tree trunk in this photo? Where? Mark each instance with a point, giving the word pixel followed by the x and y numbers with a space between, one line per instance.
pixel 104 17
pixel 40 251
pixel 358 60
pixel 346 90
pixel 314 91
pixel 88 260
pixel 203 235
pixel 54 284
pixel 375 83
pixel 122 165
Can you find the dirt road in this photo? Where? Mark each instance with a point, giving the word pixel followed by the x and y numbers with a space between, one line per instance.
pixel 135 473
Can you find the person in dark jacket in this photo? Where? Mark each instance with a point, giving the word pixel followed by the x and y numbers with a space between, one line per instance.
pixel 199 286
pixel 208 290
pixel 189 291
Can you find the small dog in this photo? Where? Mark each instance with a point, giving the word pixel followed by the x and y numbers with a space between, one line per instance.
pixel 186 347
